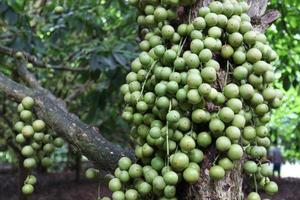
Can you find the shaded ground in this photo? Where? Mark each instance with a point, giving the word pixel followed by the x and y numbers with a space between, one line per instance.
pixel 63 187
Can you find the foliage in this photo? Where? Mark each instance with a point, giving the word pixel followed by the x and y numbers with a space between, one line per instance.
pixel 97 37
pixel 284 36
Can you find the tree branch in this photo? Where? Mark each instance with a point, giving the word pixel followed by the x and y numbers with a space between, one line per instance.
pixel 87 139
pixel 38 63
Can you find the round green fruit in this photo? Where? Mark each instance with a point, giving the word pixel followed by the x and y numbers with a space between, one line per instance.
pixel 216 172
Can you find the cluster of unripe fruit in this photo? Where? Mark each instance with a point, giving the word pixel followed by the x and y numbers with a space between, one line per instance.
pixel 36 145
pixel 196 85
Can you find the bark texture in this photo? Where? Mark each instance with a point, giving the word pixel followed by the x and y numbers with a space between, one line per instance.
pixel 229 188
pixel 86 138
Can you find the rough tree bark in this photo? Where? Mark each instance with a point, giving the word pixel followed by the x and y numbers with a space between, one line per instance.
pixel 229 188
pixel 52 110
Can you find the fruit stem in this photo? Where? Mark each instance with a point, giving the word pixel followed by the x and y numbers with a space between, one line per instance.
pixel 146 78
pixel 227 71
pixel 216 159
pixel 167 137
pixel 255 183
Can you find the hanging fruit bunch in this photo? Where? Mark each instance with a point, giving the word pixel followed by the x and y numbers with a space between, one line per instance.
pixel 206 83
pixel 36 144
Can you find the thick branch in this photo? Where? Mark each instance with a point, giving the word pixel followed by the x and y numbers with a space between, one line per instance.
pixel 90 142
pixel 38 63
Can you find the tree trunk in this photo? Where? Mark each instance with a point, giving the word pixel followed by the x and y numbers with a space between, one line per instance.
pixel 230 187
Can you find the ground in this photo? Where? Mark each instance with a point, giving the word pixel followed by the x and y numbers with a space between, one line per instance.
pixel 63 187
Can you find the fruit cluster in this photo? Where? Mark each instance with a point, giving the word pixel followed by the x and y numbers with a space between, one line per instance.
pixel 202 84
pixel 36 145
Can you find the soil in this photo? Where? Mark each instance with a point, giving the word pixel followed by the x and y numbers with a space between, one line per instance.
pixel 63 186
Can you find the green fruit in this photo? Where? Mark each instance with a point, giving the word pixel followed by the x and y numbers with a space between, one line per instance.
pixel 196 155
pixel 159 183
pixel 48 148
pixel 27 131
pixel 173 116
pixel 250 37
pixel 211 19
pixel 203 11
pixel 167 31
pixel 226 114
pixel 114 184
pixel 266 170
pixel 239 121
pixel 209 74
pixel 194 97
pixel 179 161
pixel 27 189
pixel 20 138
pixel 226 163
pixel 26 115
pixel 91 173
pixel 233 25
pixel 18 126
pixel 235 104
pixel 124 163
pixel 262 131
pixel 191 175
pixel 46 162
pixel 249 133
pixel 216 125
pixel 19 55
pixel 147 151
pixel 192 61
pixel 131 194
pixel 38 125
pixel 31 179
pixel 199 23
pixel 246 91
pixel 223 143
pixel 124 176
pixel 58 10
pixel 200 116
pixel 250 167
pixel 194 80
pixel 271 188
pixel 27 151
pixel 235 152
pixel 216 172
pixel 58 142
pixel 227 51
pixel 20 108
pixel 160 14
pixel 216 7
pixel 235 39
pixel 170 191
pixel 196 46
pixel 27 103
pixel 107 198
pixel 144 188
pixel 187 143
pixel 118 195
pixel 233 133
pixel 231 90
pixel 205 55
pixel 239 57
pixel 253 196
pixel 204 139
pixel 29 163
pixel 170 178
pixel 253 55
pixel 157 163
